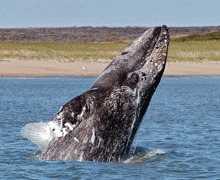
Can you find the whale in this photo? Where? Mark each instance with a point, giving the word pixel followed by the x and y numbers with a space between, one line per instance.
pixel 101 123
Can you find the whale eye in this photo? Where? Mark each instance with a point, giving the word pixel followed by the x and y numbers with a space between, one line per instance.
pixel 133 78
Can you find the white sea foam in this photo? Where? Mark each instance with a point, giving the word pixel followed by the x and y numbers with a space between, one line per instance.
pixel 141 158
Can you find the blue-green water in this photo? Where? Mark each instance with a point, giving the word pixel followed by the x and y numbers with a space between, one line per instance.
pixel 183 120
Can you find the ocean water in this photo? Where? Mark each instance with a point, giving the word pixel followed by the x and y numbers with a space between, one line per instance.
pixel 180 131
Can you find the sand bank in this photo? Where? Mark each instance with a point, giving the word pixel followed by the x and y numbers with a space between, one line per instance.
pixel 19 68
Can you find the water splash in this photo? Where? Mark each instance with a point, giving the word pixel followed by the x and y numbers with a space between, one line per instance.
pixel 141 156
pixel 41 133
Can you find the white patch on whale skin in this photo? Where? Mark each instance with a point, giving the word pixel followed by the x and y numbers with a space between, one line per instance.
pixel 72 114
pixel 60 108
pixel 60 116
pixel 69 125
pixel 79 116
pixel 76 139
pixel 92 140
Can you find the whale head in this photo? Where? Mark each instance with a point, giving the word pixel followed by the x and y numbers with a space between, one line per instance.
pixel 138 64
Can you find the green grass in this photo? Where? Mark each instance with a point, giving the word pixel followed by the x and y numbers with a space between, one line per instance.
pixel 189 48
pixel 196 47
pixel 199 37
pixel 194 51
pixel 60 51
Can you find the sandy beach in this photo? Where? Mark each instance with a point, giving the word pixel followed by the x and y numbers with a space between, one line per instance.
pixel 20 68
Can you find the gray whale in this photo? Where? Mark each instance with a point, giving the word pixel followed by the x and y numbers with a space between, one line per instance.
pixel 101 123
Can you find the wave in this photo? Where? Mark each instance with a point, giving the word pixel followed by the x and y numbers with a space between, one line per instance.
pixel 141 155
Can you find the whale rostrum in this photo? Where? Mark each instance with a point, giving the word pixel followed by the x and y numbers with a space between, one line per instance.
pixel 101 123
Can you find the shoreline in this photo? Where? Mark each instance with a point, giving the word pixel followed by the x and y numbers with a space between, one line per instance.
pixel 34 68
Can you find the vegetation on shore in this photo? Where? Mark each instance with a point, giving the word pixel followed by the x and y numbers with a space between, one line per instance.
pixel 194 47
pixel 98 51
pixel 199 37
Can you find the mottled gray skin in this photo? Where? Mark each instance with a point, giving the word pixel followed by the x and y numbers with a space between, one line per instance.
pixel 107 116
